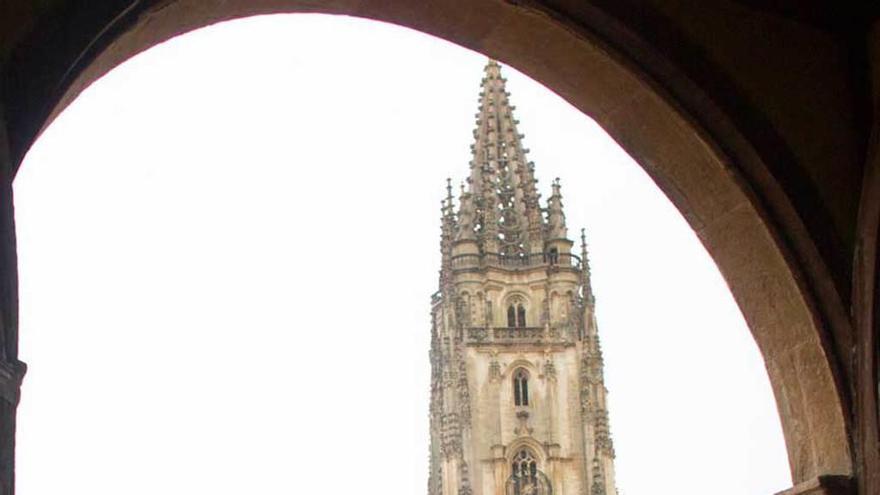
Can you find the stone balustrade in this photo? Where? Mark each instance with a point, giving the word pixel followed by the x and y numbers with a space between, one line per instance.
pixel 477 261
pixel 512 335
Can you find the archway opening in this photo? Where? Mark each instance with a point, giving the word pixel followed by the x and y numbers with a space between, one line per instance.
pixel 247 161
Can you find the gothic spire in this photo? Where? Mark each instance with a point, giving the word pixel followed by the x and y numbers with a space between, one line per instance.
pixel 512 288
pixel 502 186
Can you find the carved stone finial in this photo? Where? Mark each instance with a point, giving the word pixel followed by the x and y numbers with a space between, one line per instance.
pixel 586 281
pixel 555 215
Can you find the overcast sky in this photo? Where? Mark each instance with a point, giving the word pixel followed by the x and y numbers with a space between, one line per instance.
pixel 227 247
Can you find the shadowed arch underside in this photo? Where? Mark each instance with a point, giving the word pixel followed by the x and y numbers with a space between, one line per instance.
pixel 701 162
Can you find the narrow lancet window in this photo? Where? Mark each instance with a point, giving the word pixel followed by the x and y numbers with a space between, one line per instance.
pixel 521 388
pixel 511 316
pixel 520 316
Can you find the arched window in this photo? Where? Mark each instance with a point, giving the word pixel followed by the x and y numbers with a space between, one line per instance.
pixel 524 465
pixel 520 316
pixel 511 316
pixel 525 478
pixel 521 388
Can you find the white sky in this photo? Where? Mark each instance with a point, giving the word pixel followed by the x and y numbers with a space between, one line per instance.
pixel 227 247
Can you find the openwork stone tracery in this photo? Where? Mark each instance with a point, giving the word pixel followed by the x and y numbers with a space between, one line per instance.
pixel 525 477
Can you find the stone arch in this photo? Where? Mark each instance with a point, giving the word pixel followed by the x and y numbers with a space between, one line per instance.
pixel 517 308
pixel 536 448
pixel 520 382
pixel 708 169
pixel 527 365
pixel 515 296
pixel 507 379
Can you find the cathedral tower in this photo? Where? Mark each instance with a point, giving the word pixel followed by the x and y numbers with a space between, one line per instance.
pixel 517 392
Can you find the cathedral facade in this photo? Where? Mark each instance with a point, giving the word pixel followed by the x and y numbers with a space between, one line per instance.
pixel 517 388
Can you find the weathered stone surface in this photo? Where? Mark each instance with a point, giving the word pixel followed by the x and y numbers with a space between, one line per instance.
pixel 517 370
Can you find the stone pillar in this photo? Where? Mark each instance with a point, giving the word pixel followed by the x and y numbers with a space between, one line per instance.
pixel 549 376
pixel 499 465
pixel 866 287
pixel 11 369
pixel 493 406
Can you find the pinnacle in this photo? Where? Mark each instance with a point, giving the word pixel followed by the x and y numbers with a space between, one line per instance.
pixel 492 69
pixel 586 283
pixel 504 205
pixel 555 213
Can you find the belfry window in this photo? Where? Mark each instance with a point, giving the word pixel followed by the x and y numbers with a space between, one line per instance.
pixel 521 388
pixel 516 316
